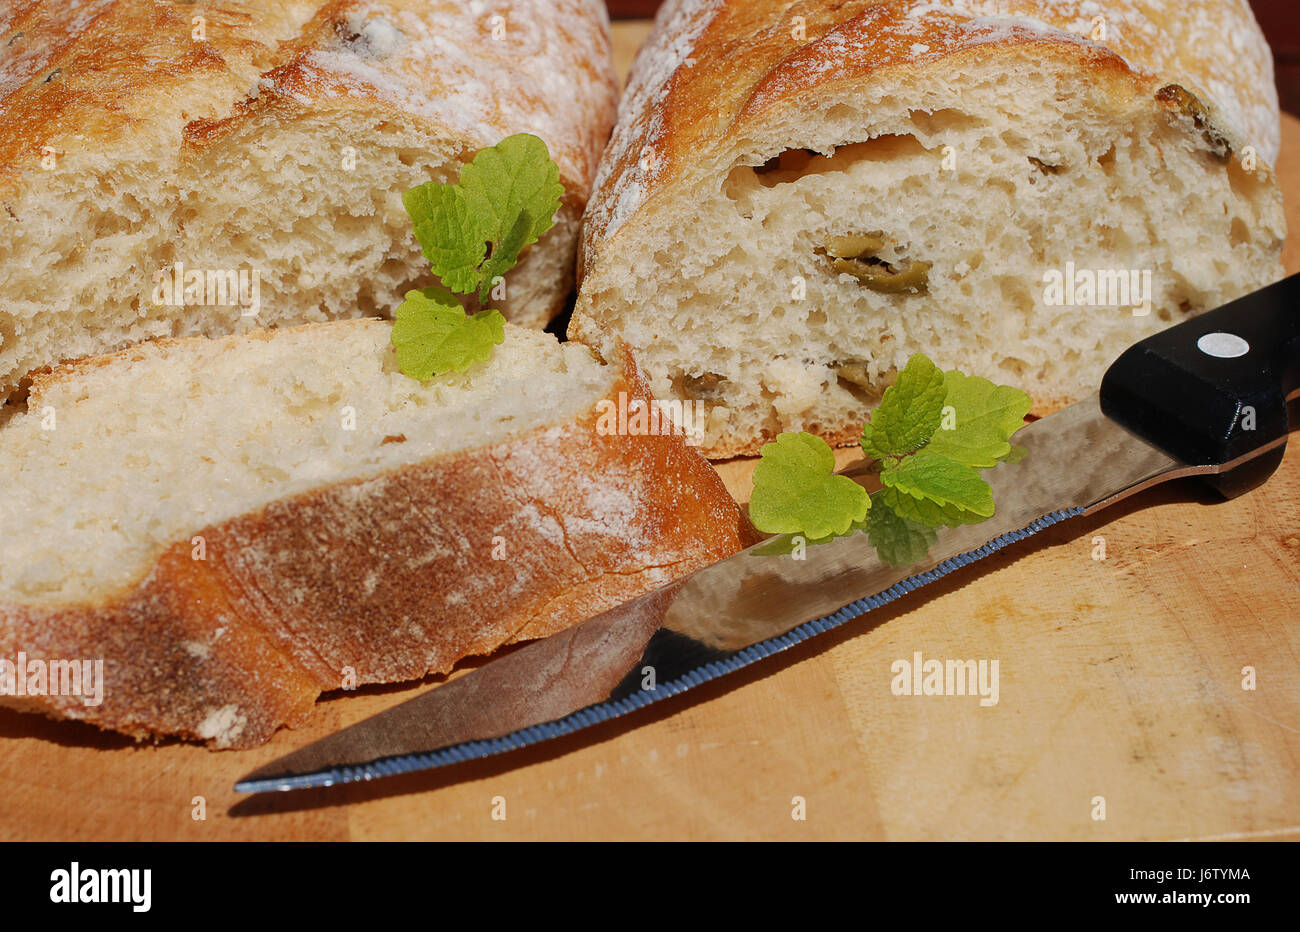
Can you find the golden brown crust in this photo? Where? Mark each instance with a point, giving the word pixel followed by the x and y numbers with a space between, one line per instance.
pixel 389 579
pixel 91 73
pixel 86 74
pixel 179 659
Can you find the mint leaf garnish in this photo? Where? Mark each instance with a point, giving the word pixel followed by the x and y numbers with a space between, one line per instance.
pixel 515 177
pixel 473 231
pixel 979 420
pixel 930 436
pixel 451 237
pixel 909 413
pixel 433 334
pixel 506 253
pixel 924 511
pixel 796 490
pixel 955 489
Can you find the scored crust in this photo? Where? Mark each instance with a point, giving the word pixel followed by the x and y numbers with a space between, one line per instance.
pixel 388 579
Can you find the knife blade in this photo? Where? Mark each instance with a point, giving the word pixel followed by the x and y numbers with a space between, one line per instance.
pixel 1206 398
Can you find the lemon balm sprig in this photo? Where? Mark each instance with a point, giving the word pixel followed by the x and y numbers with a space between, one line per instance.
pixel 930 436
pixel 472 232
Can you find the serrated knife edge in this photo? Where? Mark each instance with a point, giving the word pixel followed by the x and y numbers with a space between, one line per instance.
pixel 1148 467
pixel 616 708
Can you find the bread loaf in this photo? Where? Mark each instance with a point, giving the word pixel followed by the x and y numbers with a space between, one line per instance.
pixel 263 146
pixel 798 196
pixel 234 525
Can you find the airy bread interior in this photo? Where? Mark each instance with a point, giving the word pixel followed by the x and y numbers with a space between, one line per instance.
pixel 335 241
pixel 734 301
pixel 145 143
pixel 331 240
pixel 119 457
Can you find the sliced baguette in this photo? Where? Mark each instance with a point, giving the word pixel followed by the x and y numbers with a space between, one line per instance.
pixel 142 139
pixel 236 525
pixel 975 148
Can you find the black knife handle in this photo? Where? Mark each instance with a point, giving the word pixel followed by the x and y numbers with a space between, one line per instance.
pixel 1214 389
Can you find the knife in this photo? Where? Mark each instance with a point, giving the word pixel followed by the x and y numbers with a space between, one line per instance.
pixel 1205 398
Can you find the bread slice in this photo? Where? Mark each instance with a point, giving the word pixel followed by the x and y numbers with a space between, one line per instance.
pixel 234 525
pixel 796 199
pixel 144 144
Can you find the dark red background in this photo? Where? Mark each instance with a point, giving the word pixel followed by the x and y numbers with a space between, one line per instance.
pixel 1280 19
pixel 1281 22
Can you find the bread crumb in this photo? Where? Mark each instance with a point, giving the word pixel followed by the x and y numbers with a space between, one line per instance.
pixel 223 725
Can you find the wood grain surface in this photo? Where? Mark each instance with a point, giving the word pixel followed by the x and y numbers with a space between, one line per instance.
pixel 1120 678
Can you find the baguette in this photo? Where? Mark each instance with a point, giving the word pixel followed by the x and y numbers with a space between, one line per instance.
pixel 235 525
pixel 142 142
pixel 797 197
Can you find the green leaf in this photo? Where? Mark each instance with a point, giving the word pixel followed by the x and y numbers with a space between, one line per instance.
pixel 977 430
pixel 474 230
pixel 504 256
pixel 942 491
pixel 898 540
pixel 451 237
pixel 909 411
pixel 925 512
pixel 433 334
pixel 514 178
pixel 784 544
pixel 796 490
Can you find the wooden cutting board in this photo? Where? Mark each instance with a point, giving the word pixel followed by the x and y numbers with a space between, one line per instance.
pixel 1120 679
